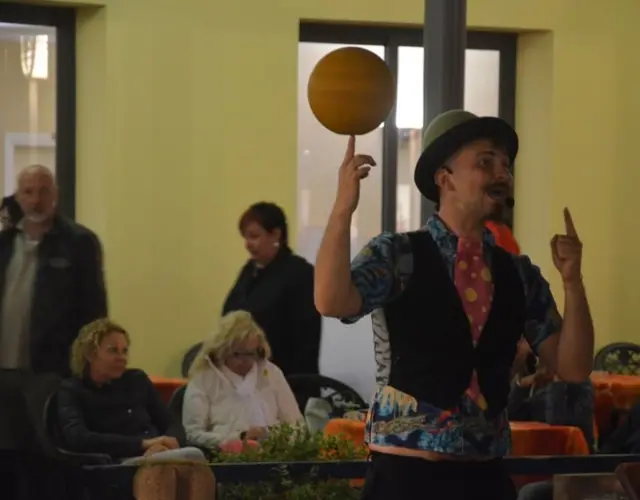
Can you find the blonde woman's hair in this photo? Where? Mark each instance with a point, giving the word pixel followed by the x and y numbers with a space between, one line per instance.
pixel 89 339
pixel 233 329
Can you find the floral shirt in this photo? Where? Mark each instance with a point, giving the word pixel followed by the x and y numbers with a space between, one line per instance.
pixel 381 272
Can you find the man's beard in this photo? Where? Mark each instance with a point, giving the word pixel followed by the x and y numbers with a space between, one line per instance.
pixel 36 218
pixel 497 214
pixel 503 202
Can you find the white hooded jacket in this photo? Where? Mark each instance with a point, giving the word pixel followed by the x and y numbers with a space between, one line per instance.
pixel 218 409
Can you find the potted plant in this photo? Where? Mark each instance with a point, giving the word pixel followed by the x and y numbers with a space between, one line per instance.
pixel 286 443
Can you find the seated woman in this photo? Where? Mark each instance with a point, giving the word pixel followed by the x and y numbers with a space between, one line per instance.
pixel 538 395
pixel 234 392
pixel 107 408
pixel 542 397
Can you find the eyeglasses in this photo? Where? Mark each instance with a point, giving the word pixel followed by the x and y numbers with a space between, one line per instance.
pixel 257 354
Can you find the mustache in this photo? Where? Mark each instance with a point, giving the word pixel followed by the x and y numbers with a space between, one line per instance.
pixel 500 188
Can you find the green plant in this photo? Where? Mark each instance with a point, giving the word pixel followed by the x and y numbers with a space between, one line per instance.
pixel 305 490
pixel 286 443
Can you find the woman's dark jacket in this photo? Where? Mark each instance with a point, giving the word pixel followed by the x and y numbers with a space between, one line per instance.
pixel 114 418
pixel 280 298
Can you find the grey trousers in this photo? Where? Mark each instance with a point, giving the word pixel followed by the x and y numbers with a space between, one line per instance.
pixel 188 454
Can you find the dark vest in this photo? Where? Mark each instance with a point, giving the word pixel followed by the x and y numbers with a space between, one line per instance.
pixel 432 350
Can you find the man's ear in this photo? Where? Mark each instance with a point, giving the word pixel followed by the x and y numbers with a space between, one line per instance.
pixel 440 177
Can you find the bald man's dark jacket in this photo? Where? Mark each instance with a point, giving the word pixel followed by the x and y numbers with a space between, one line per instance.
pixel 68 293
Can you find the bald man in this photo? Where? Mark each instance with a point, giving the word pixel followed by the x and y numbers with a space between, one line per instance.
pixel 51 279
pixel 51 284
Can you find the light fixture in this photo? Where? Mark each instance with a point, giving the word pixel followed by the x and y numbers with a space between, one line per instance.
pixel 34 56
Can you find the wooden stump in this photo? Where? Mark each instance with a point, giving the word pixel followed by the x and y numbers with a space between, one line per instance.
pixel 587 487
pixel 189 481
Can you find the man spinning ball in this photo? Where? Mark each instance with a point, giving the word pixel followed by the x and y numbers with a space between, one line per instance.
pixel 448 309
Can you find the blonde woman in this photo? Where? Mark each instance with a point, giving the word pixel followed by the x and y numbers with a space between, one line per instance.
pixel 234 391
pixel 108 408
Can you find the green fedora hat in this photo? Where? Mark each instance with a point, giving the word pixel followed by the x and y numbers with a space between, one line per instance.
pixel 447 133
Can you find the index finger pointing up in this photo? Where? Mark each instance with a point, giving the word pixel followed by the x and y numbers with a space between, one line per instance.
pixel 351 149
pixel 570 229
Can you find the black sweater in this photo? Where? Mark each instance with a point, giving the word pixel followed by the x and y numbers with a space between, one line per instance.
pixel 114 418
pixel 280 298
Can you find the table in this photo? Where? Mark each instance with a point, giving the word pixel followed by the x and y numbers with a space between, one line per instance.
pixel 528 438
pixel 351 429
pixel 539 439
pixel 167 386
pixel 612 393
pixel 624 389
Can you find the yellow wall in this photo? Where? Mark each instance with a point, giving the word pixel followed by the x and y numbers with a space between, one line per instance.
pixel 187 113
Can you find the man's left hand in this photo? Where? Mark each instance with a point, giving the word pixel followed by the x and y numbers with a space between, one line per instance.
pixel 566 251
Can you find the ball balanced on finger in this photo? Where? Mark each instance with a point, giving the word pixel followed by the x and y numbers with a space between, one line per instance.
pixel 351 91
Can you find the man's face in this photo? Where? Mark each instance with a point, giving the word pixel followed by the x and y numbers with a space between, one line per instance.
pixel 477 179
pixel 37 195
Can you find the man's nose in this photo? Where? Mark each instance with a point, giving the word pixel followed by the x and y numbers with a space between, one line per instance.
pixel 503 174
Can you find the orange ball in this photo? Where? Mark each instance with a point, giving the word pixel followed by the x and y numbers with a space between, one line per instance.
pixel 351 91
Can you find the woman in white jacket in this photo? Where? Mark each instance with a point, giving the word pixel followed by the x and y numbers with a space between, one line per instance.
pixel 234 391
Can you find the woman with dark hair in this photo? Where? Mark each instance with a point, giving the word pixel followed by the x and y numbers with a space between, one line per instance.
pixel 10 212
pixel 276 287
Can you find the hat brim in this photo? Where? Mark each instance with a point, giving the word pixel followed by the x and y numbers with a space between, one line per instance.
pixel 440 150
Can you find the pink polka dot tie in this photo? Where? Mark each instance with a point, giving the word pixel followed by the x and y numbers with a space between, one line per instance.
pixel 473 281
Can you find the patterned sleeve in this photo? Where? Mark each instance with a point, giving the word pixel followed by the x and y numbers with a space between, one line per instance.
pixel 372 273
pixel 542 318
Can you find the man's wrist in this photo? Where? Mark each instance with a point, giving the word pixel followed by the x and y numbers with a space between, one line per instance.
pixel 340 219
pixel 341 213
pixel 574 285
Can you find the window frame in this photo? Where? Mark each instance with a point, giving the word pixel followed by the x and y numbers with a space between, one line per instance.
pixel 64 20
pixel 393 37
